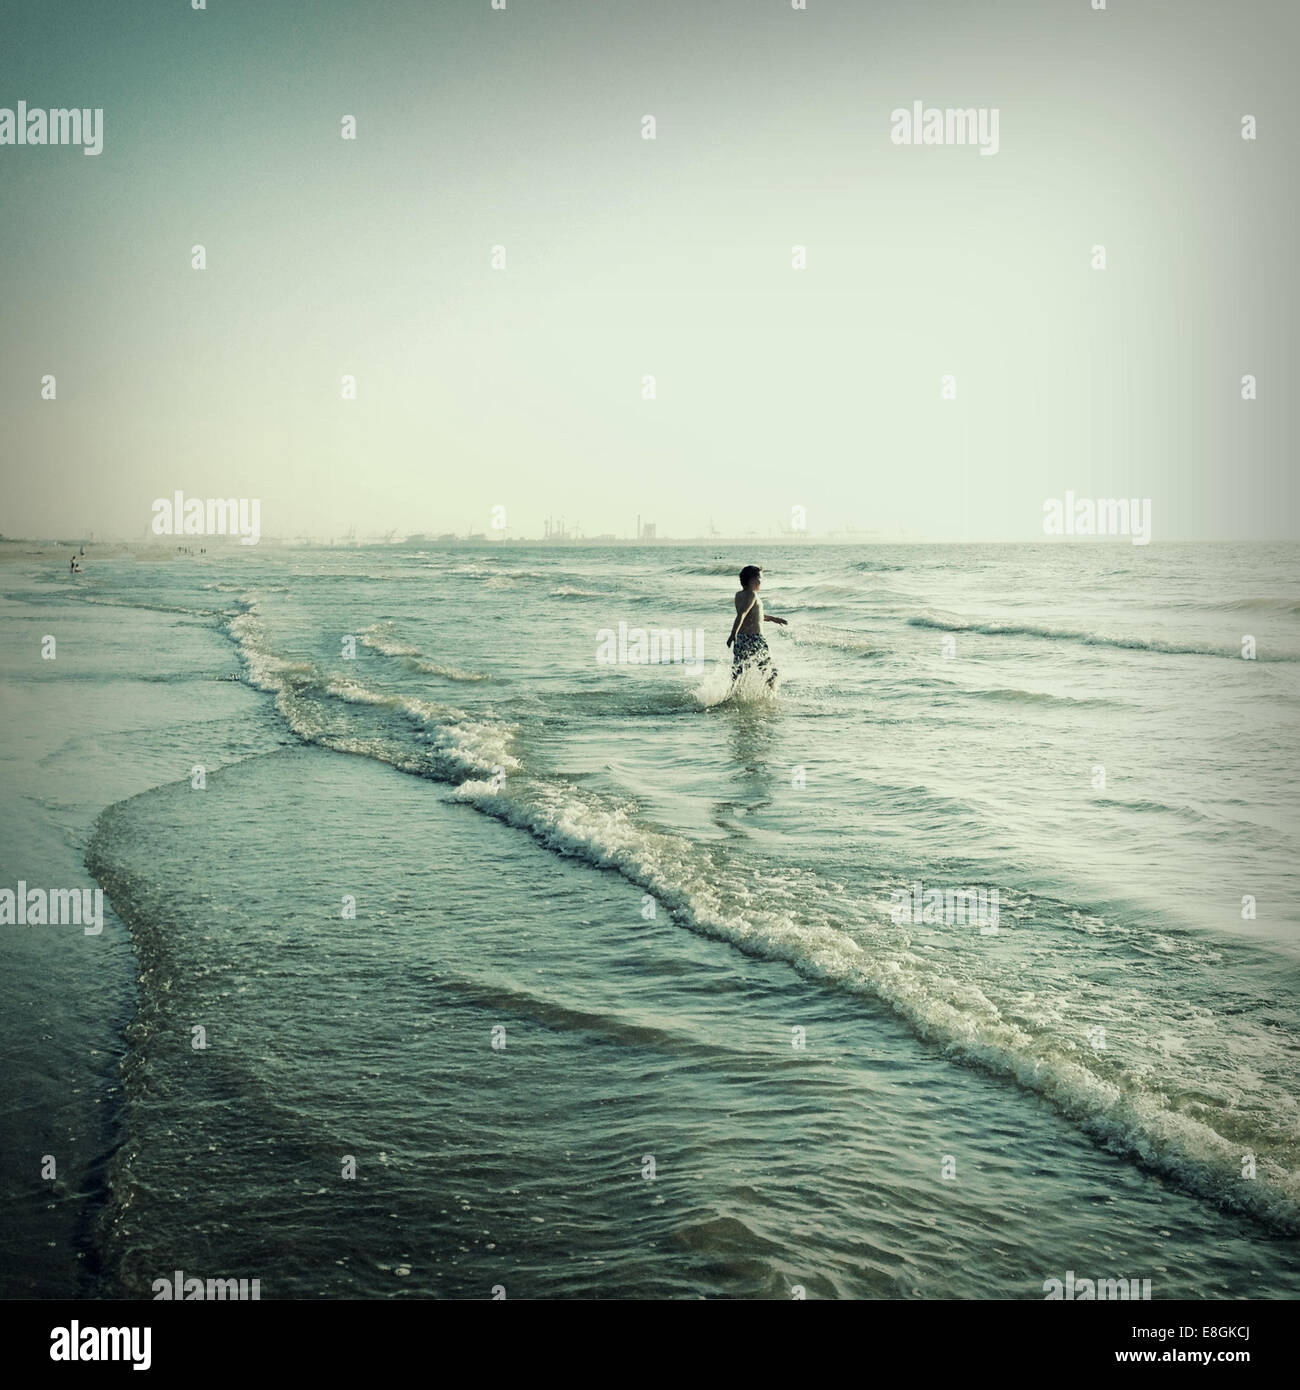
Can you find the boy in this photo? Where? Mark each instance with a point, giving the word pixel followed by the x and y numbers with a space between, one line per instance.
pixel 747 631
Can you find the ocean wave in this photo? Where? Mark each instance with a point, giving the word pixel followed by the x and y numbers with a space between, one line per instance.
pixel 801 919
pixel 818 635
pixel 356 692
pixel 470 745
pixel 381 637
pixel 1289 606
pixel 1016 695
pixel 502 570
pixel 713 567
pixel 1089 639
pixel 174 608
pixel 790 924
pixel 452 743
pixel 821 590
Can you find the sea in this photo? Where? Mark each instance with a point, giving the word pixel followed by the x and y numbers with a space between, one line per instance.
pixel 453 947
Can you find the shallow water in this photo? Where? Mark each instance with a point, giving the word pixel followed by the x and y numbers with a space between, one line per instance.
pixel 650 890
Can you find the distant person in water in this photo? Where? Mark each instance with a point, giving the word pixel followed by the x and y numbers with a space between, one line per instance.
pixel 747 643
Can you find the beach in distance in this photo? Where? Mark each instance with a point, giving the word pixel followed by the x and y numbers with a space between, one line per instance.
pixel 462 927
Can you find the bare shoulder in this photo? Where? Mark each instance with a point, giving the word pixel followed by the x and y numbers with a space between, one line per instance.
pixel 742 600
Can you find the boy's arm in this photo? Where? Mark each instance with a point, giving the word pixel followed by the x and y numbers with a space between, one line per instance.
pixel 741 615
pixel 771 618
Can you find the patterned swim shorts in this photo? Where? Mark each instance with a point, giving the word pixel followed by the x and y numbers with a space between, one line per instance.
pixel 749 649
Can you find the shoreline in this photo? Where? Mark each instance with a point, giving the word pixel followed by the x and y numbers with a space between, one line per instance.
pixel 66 998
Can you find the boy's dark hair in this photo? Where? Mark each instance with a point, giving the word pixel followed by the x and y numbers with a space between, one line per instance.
pixel 748 573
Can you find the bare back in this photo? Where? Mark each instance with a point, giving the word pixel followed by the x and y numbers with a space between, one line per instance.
pixel 752 622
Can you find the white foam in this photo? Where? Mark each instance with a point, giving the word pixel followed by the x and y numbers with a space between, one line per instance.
pixel 381 637
pixel 714 688
pixel 796 922
pixel 462 744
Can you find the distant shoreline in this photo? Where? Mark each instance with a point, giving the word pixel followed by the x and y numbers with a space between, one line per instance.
pixel 19 549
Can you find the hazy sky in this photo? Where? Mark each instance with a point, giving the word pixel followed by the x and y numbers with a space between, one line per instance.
pixel 776 387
